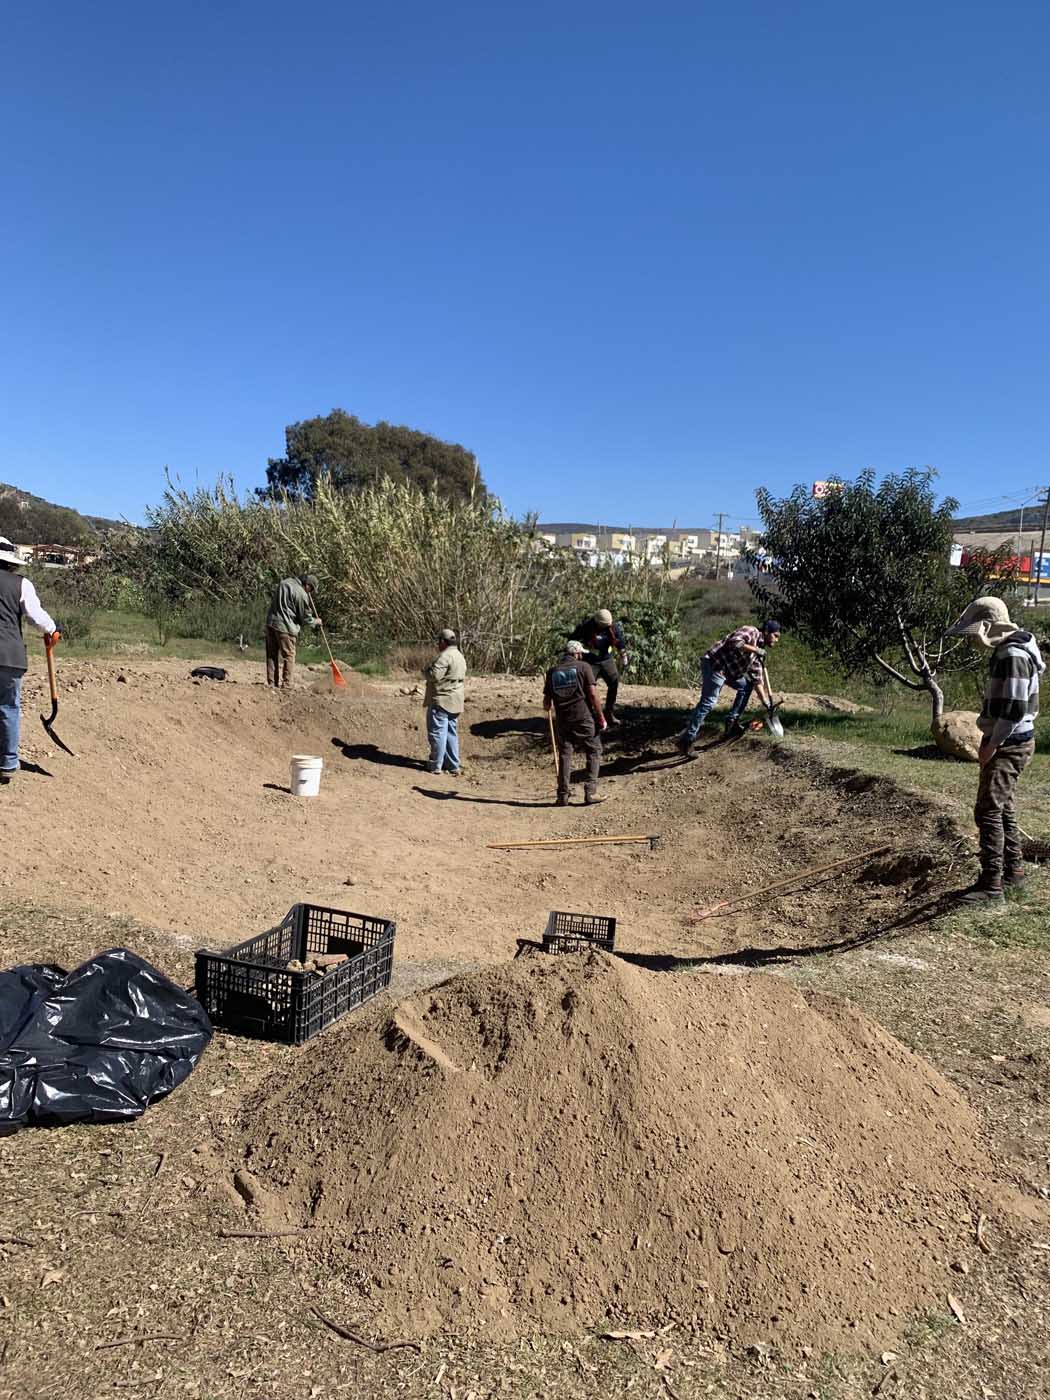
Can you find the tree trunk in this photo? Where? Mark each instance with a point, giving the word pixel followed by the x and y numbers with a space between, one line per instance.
pixel 936 695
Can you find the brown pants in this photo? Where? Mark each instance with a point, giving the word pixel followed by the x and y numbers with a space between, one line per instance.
pixel 570 738
pixel 995 811
pixel 280 657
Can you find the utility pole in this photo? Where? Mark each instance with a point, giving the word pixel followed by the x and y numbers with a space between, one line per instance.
pixel 718 544
pixel 1042 548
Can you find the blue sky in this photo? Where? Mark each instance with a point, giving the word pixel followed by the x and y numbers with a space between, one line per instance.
pixel 640 259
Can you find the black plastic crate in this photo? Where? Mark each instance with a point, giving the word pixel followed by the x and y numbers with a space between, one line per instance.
pixel 575 933
pixel 249 989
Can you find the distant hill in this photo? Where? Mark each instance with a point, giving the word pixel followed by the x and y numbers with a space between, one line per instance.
pixel 1004 522
pixel 29 519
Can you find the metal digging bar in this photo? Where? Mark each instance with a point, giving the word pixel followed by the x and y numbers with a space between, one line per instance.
pixel 48 720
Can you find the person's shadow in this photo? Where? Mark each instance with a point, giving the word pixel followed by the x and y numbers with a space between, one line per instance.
pixel 372 753
pixel 452 796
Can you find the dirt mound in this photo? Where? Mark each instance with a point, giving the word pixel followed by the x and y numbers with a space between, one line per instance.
pixel 562 1143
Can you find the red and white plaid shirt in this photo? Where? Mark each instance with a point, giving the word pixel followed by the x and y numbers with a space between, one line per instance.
pixel 728 657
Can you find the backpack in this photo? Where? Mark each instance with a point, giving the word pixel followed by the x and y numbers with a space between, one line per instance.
pixel 566 684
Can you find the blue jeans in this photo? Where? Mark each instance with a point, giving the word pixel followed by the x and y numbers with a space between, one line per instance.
pixel 711 683
pixel 10 717
pixel 443 733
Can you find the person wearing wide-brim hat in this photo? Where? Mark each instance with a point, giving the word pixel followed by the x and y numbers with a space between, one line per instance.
pixel 605 651
pixel 18 600
pixel 1007 725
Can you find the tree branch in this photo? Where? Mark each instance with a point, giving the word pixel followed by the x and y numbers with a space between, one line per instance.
pixel 892 671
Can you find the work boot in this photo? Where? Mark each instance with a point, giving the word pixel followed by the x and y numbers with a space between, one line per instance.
pixel 986 889
pixel 734 728
pixel 684 745
pixel 1014 876
pixel 7 776
pixel 592 799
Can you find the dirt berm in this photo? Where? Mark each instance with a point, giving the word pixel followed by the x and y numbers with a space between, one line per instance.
pixel 563 1143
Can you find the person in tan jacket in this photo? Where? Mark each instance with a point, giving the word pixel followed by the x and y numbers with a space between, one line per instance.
pixel 444 698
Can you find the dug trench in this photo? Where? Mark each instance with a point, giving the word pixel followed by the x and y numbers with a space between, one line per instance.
pixel 176 813
pixel 507 1148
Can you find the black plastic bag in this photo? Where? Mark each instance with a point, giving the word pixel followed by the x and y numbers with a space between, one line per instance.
pixel 209 673
pixel 96 1045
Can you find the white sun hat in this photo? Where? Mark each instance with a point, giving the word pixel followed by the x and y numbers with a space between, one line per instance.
pixel 8 553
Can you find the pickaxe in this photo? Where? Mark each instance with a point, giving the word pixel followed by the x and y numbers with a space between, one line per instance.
pixel 48 720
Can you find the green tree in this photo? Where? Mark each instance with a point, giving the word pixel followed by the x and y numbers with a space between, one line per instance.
pixel 352 454
pixel 864 574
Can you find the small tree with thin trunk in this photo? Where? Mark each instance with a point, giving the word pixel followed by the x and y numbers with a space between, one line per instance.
pixel 864 573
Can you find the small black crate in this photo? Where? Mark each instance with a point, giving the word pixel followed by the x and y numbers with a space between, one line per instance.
pixel 575 933
pixel 249 988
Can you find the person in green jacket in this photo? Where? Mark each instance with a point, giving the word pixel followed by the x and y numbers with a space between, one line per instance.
pixel 444 701
pixel 291 609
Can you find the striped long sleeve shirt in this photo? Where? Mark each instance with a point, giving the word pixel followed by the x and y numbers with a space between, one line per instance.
pixel 1011 693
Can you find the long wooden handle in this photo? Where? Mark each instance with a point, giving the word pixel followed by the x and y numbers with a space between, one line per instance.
pixel 554 743
pixel 324 637
pixel 566 841
pixel 49 648
pixel 791 880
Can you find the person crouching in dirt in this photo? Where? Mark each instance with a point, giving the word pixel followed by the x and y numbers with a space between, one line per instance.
pixel 570 688
pixel 1007 725
pixel 18 600
pixel 444 699
pixel 737 661
pixel 291 609
pixel 601 638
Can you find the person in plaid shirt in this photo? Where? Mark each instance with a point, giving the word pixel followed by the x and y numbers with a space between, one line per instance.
pixel 736 660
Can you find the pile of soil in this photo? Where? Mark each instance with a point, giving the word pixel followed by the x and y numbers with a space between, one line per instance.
pixel 568 1142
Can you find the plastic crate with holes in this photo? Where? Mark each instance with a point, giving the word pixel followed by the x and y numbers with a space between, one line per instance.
pixel 578 933
pixel 251 990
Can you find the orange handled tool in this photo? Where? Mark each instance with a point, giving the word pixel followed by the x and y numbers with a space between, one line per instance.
pixel 48 720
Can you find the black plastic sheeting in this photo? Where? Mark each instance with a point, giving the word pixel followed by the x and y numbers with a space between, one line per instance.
pixel 97 1045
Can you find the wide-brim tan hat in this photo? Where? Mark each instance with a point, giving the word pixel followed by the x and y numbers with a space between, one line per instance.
pixel 986 620
pixel 604 616
pixel 7 552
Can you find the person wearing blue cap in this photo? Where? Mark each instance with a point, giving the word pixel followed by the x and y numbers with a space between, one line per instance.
pixel 738 661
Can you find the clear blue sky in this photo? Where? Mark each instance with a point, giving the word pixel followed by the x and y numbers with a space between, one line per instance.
pixel 640 259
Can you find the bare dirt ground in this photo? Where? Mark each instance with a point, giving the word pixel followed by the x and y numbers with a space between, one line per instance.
pixel 176 812
pixel 173 829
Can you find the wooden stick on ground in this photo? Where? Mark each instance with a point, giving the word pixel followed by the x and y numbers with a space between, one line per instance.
pixel 140 1337
pixel 348 1336
pixel 725 904
pixel 260 1234
pixel 14 1239
pixel 567 841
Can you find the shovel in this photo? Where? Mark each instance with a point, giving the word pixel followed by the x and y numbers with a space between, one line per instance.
pixel 48 720
pixel 773 723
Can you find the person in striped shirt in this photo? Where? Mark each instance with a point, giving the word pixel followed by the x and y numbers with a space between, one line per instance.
pixel 737 661
pixel 1007 725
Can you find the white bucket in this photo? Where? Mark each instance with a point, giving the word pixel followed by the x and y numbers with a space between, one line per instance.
pixel 306 775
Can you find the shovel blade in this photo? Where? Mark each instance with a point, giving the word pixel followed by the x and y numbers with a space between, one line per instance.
pixel 47 721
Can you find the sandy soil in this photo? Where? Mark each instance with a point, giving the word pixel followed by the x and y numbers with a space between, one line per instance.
pixel 176 812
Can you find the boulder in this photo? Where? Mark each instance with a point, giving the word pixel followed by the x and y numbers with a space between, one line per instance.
pixel 956 733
